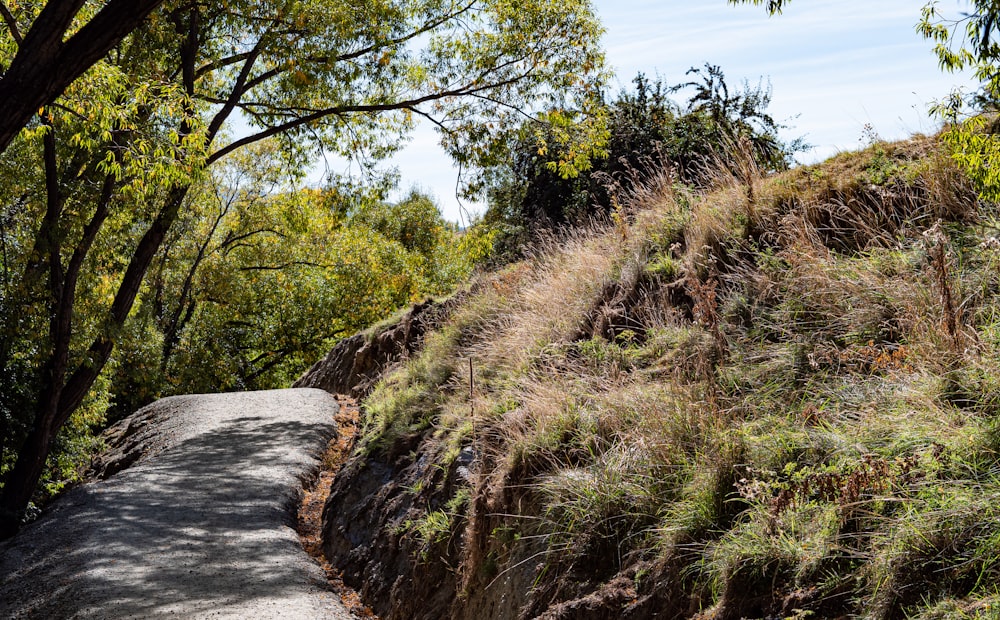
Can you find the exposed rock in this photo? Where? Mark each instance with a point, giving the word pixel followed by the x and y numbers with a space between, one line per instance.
pixel 134 438
pixel 366 542
pixel 355 364
pixel 369 535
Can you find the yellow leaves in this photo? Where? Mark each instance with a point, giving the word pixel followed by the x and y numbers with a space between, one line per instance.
pixel 870 358
pixel 105 288
pixel 476 244
pixel 110 165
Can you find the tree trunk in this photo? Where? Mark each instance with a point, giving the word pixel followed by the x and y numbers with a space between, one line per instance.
pixel 46 64
pixel 59 398
pixel 24 477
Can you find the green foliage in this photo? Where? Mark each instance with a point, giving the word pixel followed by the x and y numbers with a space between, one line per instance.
pixel 435 527
pixel 121 177
pixel 715 121
pixel 969 42
pixel 259 279
pixel 643 132
pixel 976 150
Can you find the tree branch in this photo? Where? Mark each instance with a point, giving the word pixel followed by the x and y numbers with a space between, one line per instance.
pixel 97 354
pixel 185 304
pixel 371 49
pixel 11 23
pixel 355 109
pixel 229 242
pixel 239 89
pixel 219 64
pixel 45 64
pixel 294 263
pixel 427 27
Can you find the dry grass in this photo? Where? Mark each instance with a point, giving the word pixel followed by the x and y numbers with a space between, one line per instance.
pixel 756 388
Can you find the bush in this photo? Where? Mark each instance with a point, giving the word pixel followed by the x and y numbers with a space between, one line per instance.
pixel 646 131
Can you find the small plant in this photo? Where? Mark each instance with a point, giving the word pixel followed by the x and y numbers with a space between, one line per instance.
pixel 848 487
pixel 705 311
pixel 435 526
pixel 881 168
pixel 430 530
pixel 937 241
pixel 869 359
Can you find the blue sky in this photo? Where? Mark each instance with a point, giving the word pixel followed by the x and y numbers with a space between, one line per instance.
pixel 833 65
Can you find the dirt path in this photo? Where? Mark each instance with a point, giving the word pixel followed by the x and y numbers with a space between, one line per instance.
pixel 201 524
pixel 310 517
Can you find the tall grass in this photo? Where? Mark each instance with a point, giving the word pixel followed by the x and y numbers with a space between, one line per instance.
pixel 781 392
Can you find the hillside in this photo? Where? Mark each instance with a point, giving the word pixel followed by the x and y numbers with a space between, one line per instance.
pixel 773 399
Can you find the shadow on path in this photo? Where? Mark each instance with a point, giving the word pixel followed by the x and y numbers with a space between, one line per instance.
pixel 204 528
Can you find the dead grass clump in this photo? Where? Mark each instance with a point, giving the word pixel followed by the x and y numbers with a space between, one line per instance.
pixel 554 302
pixel 888 192
pixel 824 299
pixel 717 227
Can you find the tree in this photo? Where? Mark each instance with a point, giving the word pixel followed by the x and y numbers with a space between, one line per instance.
pixel 62 255
pixel 45 61
pixel 111 164
pixel 773 6
pixel 257 278
pixel 645 132
pixel 970 42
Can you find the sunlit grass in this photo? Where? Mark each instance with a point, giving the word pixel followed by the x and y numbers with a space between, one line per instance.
pixel 755 390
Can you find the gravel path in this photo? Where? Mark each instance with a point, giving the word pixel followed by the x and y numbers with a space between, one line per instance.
pixel 198 526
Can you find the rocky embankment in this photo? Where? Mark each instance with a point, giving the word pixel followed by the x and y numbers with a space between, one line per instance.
pixel 367 520
pixel 361 541
pixel 354 366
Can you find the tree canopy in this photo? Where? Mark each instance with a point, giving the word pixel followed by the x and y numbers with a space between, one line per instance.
pixel 47 47
pixel 99 179
pixel 643 132
pixel 964 42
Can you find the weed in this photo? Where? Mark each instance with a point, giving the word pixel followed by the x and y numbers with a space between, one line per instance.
pixel 937 242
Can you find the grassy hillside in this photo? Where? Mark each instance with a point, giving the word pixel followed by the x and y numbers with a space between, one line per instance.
pixel 774 399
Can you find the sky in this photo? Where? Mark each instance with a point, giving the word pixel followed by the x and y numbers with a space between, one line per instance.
pixel 834 66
